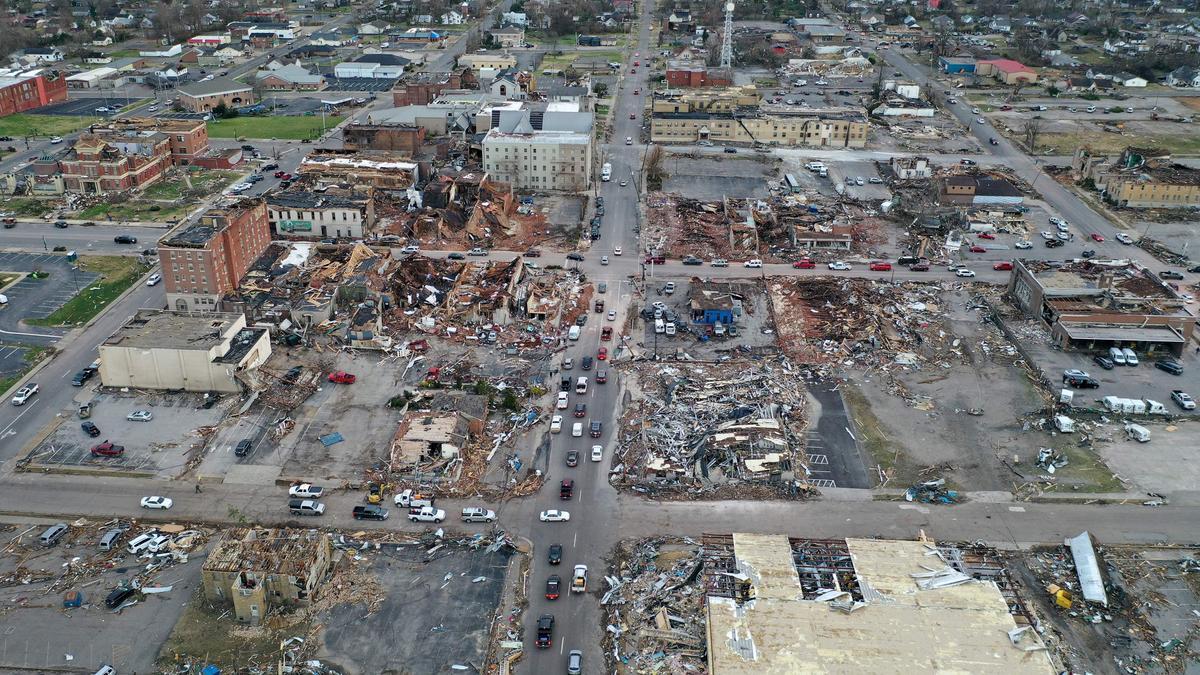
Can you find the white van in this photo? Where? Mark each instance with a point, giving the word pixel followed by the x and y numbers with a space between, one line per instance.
pixel 1138 432
pixel 109 540
pixel 718 329
pixel 581 386
pixel 1130 357
pixel 141 542
pixel 1117 356
pixel 577 429
pixel 659 326
pixel 573 333
pixel 670 329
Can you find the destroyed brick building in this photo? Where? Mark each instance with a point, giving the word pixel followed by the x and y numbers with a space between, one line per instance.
pixel 422 88
pixel 1096 305
pixel 352 169
pixel 332 212
pixel 205 258
pixel 1140 178
pixel 257 570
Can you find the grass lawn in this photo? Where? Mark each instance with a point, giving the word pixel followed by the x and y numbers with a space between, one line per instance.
pixel 1085 472
pixel 20 125
pixel 137 209
pixel 32 356
pixel 117 273
pixel 7 278
pixel 203 181
pixel 887 453
pixel 122 53
pixel 27 206
pixel 292 128
pixel 1109 143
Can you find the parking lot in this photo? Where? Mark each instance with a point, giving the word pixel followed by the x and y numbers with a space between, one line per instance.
pixel 292 106
pixel 755 318
pixel 848 174
pixel 159 447
pixel 85 107
pixel 12 360
pixel 709 178
pixel 38 298
pixel 358 84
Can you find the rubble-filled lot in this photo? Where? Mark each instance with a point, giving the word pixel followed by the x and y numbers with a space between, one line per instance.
pixel 35 580
pixel 1149 623
pixel 701 177
pixel 163 447
pixel 714 431
pixel 941 133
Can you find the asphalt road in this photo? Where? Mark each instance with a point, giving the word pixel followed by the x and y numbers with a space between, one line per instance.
pixel 40 236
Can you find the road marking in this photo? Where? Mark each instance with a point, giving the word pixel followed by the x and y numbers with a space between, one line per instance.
pixel 1017 509
pixel 9 332
pixel 914 507
pixel 575 539
pixel 850 433
pixel 18 417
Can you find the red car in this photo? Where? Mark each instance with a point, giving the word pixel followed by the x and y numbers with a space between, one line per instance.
pixel 1097 237
pixel 1000 266
pixel 656 260
pixel 342 377
pixel 280 174
pixel 986 235
pixel 107 449
pixel 602 354
pixel 881 267
pixel 804 264
pixel 978 249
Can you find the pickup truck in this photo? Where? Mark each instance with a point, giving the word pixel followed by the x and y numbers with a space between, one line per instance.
pixel 411 500
pixel 306 491
pixel 579 580
pixel 476 514
pixel 1183 399
pixel 427 514
pixel 655 260
pixel 545 629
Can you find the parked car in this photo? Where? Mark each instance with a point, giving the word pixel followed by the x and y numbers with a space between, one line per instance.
pixel 157 502
pixel 964 272
pixel 1170 274
pixel 880 267
pixel 804 264
pixel 456 256
pixel 1002 266
pixel 140 416
pixel 107 449
pixel 125 239
pixel 1183 399
pixel 839 265
pixel 370 512
pixel 1103 361
pixel 342 377
pixel 90 429
pixel 977 249
pixel 1169 365
pixel 243 447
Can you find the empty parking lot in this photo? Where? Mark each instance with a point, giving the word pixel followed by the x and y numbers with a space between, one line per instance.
pixel 85 107
pixel 37 298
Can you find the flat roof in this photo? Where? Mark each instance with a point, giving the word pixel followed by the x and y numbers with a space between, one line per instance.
pixel 158 329
pixel 1134 333
pixel 959 628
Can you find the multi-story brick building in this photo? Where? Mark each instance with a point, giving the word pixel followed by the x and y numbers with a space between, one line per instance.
pixel 26 90
pixel 205 258
pixel 405 139
pixel 99 165
pixel 188 138
pixel 694 73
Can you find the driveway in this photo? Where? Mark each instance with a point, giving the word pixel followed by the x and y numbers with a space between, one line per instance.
pixel 37 298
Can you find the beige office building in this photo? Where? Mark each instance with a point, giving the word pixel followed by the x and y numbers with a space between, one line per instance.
pixel 844 130
pixel 539 160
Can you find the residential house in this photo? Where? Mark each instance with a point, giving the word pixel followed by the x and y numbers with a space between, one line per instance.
pixel 374 28
pixel 507 38
pixel 42 55
pixel 514 19
pixel 1184 77
pixel 1130 80
pixel 452 18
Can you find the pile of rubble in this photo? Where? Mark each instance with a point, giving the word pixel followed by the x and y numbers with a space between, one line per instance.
pixel 715 430
pixel 859 321
pixel 654 607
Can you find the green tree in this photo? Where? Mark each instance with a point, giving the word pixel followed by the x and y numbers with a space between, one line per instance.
pixel 510 401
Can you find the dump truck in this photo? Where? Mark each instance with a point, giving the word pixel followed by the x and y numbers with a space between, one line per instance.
pixel 579 580
pixel 426 514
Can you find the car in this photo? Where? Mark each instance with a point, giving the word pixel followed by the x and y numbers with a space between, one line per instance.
pixel 370 512
pixel 875 180
pixel 986 235
pixel 1047 235
pixel 156 502
pixel 563 400
pixel 623 183
pixel 1124 238
pixel 574 662
pixel 1183 399
pixel 601 376
pixel 602 353
pixel 83 376
pixel 919 267
pixel 556 424
pixel 576 256
pixel 153 279
pixel 595 429
pixel 410 249
pixel 248 148
pixel 25 393
pixel 60 224
pixel 629 140
pixel 114 600
pixel 545 628
pixel 243 447
pixel 1063 236
pixel 532 253
pixel 859 181
pixel 270 167
pixel 140 416
pixel 554 516
pixel 1097 236
pixel 804 264
pixel 102 109
pixel 967 162
pixel 568 363
pixel 107 449
pixel 993 141
pixel 572 458
pixel 603 260
pixel 306 491
pixel 1023 244
pixel 1085 382
pixel 1170 274
pixel 1088 253
pixel 755 262
pixel 586 363
pixel 55 140
pixel 581 410
pixel 342 377
pixel 719 262
pixel 976 248
pixel 477 251
pixel 731 151
pixel 692 260
pixel 612 316
pixel 1104 362
pixel 553 582
pixel 124 239
pixel 963 272
pixel 90 429
pixel 979 120
pixel 597 453
pixel 617 250
pixel 952 101
pixel 880 267
pixel 1170 366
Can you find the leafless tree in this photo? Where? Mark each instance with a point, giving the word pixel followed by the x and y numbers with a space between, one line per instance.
pixel 1033 129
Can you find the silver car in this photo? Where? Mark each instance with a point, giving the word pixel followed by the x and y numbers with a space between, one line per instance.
pixel 575 662
pixel 140 416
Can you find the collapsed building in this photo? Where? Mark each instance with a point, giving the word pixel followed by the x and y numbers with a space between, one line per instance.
pixel 257 570
pixel 760 603
pixel 1093 305
pixel 349 167
pixel 702 428
pixel 1140 178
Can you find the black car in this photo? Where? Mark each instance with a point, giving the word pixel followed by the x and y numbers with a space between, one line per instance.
pixel 1170 274
pixel 586 364
pixel 270 167
pixel 731 151
pixel 370 512
pixel 125 239
pixel 248 148
pixel 243 448
pixel 118 597
pixel 1081 382
pixel 83 376
pixel 572 458
pixel 1088 253
pixel 1172 367
pixel 555 554
pixel 581 410
pixel 564 384
pixel 545 627
pixel 599 201
pixel 1054 243
pixel 552 584
pixel 62 224
pixel 595 429
pixel 573 255
pixel 993 141
pixel 457 256
pixel 1103 361
pixel 90 429
pixel 692 260
pixel 581 319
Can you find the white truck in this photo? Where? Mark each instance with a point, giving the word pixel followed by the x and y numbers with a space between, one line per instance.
pixel 478 514
pixel 606 172
pixel 573 333
pixel 306 491
pixel 579 580
pixel 427 514
pixel 411 500
pixel 1183 399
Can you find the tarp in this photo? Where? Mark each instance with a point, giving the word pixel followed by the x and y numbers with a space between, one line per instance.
pixel 329 439
pixel 1088 568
